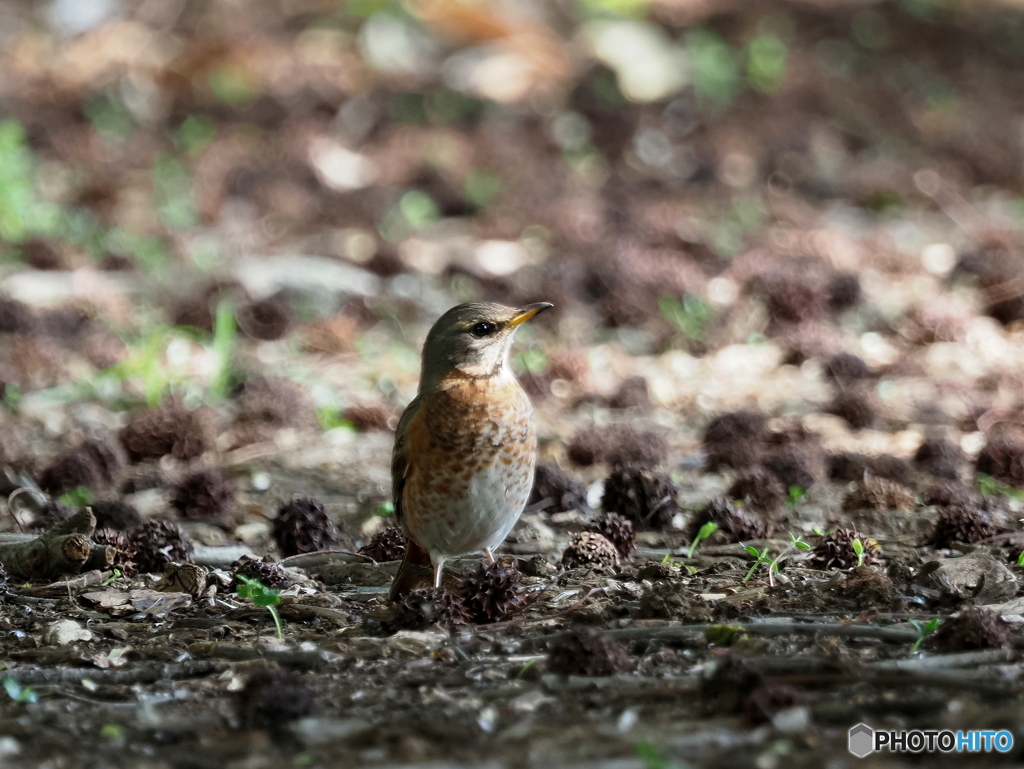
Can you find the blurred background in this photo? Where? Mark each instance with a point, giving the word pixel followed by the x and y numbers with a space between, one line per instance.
pixel 719 197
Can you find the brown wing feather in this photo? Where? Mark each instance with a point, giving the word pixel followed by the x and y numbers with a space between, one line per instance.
pixel 399 457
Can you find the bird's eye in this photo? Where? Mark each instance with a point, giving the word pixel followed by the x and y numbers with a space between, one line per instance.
pixel 480 330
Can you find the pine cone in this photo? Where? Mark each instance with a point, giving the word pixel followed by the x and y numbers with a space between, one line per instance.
pixel 168 429
pixel 644 496
pixel 269 404
pixel 158 543
pixel 587 549
pixel 124 550
pixel 758 490
pixel 16 317
pixel 550 483
pixel 207 493
pixel 973 627
pixel 733 523
pixel 115 514
pixel 1003 459
pixel 734 440
pixel 584 651
pixel 492 594
pixel 875 493
pixel 419 609
pixel 302 526
pixel 263 569
pixel 836 550
pixel 386 545
pixel 617 445
pixel 617 530
pixel 272 697
pixel 941 458
pixel 962 523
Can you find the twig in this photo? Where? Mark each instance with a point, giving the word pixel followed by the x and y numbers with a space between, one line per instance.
pixel 139 674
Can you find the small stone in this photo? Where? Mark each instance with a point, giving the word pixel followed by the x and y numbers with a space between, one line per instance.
pixel 65 632
pixel 183 578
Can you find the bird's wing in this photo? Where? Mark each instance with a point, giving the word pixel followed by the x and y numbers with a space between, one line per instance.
pixel 400 457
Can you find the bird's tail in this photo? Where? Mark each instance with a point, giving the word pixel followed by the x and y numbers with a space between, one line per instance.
pixel 414 571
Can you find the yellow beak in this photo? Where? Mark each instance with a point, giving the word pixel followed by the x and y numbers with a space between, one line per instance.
pixel 527 312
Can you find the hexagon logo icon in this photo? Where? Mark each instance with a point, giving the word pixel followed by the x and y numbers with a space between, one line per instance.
pixel 862 740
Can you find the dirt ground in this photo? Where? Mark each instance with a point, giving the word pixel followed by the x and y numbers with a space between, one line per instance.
pixel 781 435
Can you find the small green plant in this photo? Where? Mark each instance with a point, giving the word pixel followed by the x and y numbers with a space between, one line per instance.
pixel 481 186
pixel 526 668
pixel 1020 558
pixel 116 575
pixel 12 396
pixel 17 692
pixel 858 548
pixel 691 315
pixel 111 732
pixel 703 533
pixel 385 509
pixel 261 595
pixel 653 758
pixel 80 496
pixel 796 493
pixel 224 332
pixel 330 418
pixel 759 558
pixel 988 486
pixel 923 631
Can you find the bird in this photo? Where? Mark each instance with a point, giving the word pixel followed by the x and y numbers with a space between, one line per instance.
pixel 465 446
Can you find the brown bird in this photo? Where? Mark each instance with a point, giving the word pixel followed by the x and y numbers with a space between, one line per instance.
pixel 465 448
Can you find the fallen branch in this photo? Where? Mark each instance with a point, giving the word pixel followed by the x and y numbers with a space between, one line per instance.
pixel 67 548
pixel 138 674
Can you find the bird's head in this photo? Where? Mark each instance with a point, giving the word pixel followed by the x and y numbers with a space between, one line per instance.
pixel 473 339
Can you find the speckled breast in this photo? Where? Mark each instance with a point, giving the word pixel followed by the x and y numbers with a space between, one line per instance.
pixel 472 449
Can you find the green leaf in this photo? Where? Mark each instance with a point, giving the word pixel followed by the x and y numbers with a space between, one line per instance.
pixel 705 531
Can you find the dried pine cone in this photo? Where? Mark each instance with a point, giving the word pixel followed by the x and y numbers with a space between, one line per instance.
pixel 419 609
pixel 973 627
pixel 158 543
pixel 168 429
pixel 207 493
pixel 386 545
pixel 267 319
pixel 617 530
pixel 584 651
pixel 962 523
pixel 856 408
pixel 589 549
pixel 16 317
pixel 124 550
pixel 565 493
pixel 734 440
pixel 758 490
pixel 836 550
pixel 93 464
pixel 941 458
pixel 263 569
pixel 645 497
pixel 273 696
pixel 302 526
pixel 1003 459
pixel 634 392
pixel 367 417
pixel 945 494
pixel 492 594
pixel 792 466
pixel 115 514
pixel 268 404
pixel 733 523
pixel 617 445
pixel 879 494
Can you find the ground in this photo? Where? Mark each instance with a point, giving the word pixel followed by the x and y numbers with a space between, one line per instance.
pixel 783 244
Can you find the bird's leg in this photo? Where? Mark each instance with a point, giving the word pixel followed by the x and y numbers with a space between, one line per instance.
pixel 438 570
pixel 489 554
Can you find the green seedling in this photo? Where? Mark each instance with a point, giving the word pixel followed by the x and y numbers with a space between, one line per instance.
pixel 116 575
pixel 705 531
pixel 261 595
pixel 80 496
pixel 989 486
pixel 525 668
pixel 17 692
pixel 796 493
pixel 759 558
pixel 224 332
pixel 923 631
pixel 1020 558
pixel 653 758
pixel 691 315
pixel 858 548
pixel 385 509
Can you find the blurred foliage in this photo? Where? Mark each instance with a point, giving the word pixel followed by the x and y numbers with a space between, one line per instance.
pixel 22 213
